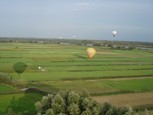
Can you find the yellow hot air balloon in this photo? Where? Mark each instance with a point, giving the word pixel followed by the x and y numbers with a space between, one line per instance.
pixel 91 52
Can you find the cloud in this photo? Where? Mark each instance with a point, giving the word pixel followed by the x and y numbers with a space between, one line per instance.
pixel 83 4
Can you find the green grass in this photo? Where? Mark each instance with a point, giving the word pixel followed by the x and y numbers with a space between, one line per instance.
pixel 6 88
pixel 102 86
pixel 135 85
pixel 19 102
pixel 70 62
pixel 92 86
pixel 83 75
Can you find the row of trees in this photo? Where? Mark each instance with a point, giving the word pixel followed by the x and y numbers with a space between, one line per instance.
pixel 104 43
pixel 72 103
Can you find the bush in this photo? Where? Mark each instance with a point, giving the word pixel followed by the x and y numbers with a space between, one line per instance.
pixel 72 103
pixel 5 78
pixel 67 103
pixel 109 109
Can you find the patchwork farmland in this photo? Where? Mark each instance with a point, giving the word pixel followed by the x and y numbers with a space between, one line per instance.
pixel 54 67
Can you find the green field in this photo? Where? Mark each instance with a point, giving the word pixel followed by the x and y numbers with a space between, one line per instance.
pixel 67 67
pixel 136 85
pixel 6 88
pixel 19 102
pixel 70 62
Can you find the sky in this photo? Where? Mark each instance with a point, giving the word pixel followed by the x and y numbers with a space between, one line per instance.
pixel 82 19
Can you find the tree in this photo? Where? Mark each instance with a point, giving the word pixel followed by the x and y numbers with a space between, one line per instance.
pixel 109 109
pixel 72 103
pixel 67 103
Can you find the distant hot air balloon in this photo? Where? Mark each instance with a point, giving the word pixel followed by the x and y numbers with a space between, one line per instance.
pixel 91 52
pixel 114 33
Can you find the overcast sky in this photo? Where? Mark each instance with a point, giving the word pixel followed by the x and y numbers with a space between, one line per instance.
pixel 84 19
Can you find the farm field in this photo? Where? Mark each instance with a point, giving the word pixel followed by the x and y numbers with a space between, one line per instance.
pixel 6 88
pixel 52 67
pixel 19 102
pixel 127 99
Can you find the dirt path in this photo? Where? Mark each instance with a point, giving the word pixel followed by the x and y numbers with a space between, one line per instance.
pixel 134 99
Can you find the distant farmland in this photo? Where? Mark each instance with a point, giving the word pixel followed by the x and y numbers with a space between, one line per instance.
pixel 51 68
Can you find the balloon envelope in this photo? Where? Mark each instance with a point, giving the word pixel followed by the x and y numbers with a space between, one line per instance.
pixel 114 33
pixel 91 52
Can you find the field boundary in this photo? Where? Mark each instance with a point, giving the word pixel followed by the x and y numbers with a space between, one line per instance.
pixel 109 78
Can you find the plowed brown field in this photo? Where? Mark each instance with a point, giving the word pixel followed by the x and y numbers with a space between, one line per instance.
pixel 133 99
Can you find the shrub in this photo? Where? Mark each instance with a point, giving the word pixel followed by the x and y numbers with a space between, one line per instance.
pixel 5 78
pixel 67 103
pixel 109 109
pixel 72 103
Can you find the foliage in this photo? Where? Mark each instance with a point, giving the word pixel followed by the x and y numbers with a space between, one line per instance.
pixel 8 80
pixel 67 103
pixel 10 112
pixel 109 109
pixel 72 103
pixel 5 78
